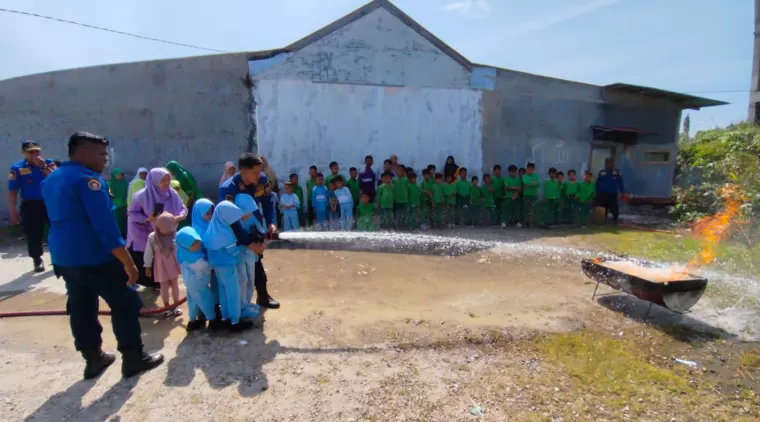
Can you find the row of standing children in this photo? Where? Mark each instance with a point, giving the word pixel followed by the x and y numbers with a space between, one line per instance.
pixel 216 256
pixel 438 201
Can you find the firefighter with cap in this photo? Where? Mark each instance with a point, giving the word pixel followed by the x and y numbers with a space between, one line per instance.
pixel 24 178
pixel 609 184
pixel 89 253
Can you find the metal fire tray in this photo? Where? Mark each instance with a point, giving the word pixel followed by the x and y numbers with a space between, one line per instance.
pixel 677 295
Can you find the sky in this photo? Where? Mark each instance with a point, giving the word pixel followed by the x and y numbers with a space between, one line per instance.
pixel 699 47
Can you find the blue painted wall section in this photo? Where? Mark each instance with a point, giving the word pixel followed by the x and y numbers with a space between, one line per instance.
pixel 483 78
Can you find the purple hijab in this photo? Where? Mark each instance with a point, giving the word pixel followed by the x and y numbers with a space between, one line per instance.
pixel 143 204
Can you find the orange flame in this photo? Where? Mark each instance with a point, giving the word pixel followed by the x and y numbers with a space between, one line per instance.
pixel 714 228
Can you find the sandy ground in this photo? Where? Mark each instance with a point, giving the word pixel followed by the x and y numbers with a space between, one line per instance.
pixel 360 336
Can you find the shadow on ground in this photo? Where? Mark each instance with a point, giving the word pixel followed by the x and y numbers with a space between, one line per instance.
pixel 67 405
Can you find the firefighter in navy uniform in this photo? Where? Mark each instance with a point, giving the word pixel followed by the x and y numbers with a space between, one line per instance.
pixel 88 252
pixel 609 184
pixel 253 181
pixel 25 177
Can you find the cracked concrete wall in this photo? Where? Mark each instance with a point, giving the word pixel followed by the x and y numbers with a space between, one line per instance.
pixel 192 110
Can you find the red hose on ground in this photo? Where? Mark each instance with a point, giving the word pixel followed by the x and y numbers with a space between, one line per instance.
pixel 143 312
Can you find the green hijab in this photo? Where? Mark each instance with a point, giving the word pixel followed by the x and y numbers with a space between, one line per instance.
pixel 118 188
pixel 185 179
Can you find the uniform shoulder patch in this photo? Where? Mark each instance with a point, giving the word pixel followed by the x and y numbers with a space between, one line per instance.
pixel 12 175
pixel 24 171
pixel 94 184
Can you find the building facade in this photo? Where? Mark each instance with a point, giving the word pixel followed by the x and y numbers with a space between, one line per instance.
pixel 373 82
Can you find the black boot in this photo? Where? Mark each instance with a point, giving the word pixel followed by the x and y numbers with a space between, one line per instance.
pixel 219 324
pixel 264 300
pixel 243 325
pixel 39 267
pixel 97 362
pixel 135 361
pixel 196 325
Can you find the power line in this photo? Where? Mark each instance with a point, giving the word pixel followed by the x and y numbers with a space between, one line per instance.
pixel 717 92
pixel 109 30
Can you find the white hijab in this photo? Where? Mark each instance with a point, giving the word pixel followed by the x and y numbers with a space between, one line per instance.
pixel 136 178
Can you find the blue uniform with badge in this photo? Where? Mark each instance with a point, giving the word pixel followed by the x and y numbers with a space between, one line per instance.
pixel 83 233
pixel 608 184
pixel 26 178
pixel 262 193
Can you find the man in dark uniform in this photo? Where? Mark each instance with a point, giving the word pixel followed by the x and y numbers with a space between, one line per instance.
pixel 608 184
pixel 252 180
pixel 25 176
pixel 88 252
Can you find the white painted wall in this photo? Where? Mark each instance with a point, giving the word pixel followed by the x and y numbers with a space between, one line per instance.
pixel 375 49
pixel 302 123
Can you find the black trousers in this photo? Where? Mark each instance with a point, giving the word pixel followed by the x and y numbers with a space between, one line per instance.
pixel 260 282
pixel 85 285
pixel 609 201
pixel 33 219
pixel 142 279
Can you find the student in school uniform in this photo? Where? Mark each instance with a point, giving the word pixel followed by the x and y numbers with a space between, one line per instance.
pixel 551 198
pixel 530 187
pixel 586 194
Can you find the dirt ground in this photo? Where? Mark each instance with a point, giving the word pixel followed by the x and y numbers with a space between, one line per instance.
pixel 380 337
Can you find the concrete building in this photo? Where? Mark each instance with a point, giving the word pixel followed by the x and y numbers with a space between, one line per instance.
pixel 373 82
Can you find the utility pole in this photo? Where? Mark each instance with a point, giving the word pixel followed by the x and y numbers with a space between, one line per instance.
pixel 754 90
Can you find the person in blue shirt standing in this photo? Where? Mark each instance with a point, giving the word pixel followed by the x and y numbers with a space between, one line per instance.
pixel 89 253
pixel 252 180
pixel 25 177
pixel 608 185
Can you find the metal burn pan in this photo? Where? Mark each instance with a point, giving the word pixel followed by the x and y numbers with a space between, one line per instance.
pixel 678 294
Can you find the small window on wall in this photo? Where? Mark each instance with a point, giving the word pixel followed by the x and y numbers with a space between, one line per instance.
pixel 657 157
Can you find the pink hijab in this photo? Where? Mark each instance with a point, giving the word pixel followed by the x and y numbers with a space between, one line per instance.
pixel 165 242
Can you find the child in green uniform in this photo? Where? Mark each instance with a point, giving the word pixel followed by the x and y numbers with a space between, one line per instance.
pixel 530 185
pixel 586 191
pixel 365 215
pixel 353 185
pixel 450 199
pixel 310 184
pixel 561 200
pixel 551 198
pixel 512 201
pixel 334 171
pixel 385 201
pixel 489 205
pixel 401 197
pixel 426 197
pixel 414 212
pixel 571 197
pixel 498 192
pixel 438 202
pixel 299 194
pixel 475 214
pixel 462 188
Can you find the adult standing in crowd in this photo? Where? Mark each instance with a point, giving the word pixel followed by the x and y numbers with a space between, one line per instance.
pixel 148 203
pixel 229 171
pixel 450 169
pixel 252 180
pixel 186 183
pixel 119 187
pixel 136 184
pixel 367 179
pixel 25 177
pixel 88 252
pixel 608 185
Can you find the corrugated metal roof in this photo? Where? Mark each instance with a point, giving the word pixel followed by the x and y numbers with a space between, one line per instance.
pixel 684 101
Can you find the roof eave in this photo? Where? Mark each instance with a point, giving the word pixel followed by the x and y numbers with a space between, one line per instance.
pixel 684 101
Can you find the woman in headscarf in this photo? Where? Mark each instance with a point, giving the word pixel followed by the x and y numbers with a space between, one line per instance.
pixel 186 182
pixel 394 163
pixel 148 203
pixel 136 184
pixel 119 185
pixel 178 188
pixel 450 168
pixel 229 171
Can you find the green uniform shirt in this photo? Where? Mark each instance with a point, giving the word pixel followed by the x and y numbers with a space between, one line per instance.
pixel 531 183
pixel 551 189
pixel 299 193
pixel 497 183
pixel 475 196
pixel 463 188
pixel 570 188
pixel 449 193
pixel 353 186
pixel 488 196
pixel 385 196
pixel 365 211
pixel 401 190
pixel 414 195
pixel 511 182
pixel 437 189
pixel 586 191
pixel 330 177
pixel 309 189
pixel 426 186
